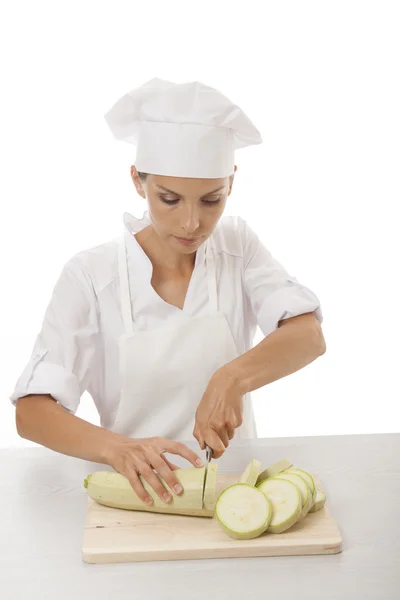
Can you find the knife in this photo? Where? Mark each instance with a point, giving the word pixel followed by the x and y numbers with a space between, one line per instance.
pixel 208 455
pixel 208 460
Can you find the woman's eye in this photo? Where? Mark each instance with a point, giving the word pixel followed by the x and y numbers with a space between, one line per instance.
pixel 212 201
pixel 169 200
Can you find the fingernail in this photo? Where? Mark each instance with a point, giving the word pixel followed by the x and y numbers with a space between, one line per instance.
pixel 166 497
pixel 199 463
pixel 178 488
pixel 148 500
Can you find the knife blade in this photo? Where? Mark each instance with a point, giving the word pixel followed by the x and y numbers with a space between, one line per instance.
pixel 208 460
pixel 208 454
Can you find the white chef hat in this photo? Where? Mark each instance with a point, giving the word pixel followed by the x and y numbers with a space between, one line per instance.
pixel 182 130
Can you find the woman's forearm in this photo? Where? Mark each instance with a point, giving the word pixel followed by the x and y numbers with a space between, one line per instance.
pixel 40 419
pixel 295 344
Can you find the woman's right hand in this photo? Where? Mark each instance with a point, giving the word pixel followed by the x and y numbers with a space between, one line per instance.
pixel 134 457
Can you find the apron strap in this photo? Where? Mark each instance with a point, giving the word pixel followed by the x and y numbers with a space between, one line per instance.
pixel 125 296
pixel 211 278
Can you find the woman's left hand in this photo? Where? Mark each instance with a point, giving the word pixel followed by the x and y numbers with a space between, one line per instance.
pixel 219 413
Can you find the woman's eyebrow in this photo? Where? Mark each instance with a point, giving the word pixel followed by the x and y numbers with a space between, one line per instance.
pixel 176 193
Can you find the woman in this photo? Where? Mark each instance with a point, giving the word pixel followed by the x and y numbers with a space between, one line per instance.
pixel 158 325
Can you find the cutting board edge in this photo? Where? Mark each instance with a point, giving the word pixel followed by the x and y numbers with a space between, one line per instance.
pixel 93 557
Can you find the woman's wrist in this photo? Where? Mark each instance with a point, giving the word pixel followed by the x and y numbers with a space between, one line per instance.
pixel 233 377
pixel 112 446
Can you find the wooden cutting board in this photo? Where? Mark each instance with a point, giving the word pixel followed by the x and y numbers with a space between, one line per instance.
pixel 113 535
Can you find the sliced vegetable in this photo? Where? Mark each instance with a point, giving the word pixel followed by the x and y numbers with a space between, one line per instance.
pixel 251 473
pixel 113 489
pixel 278 467
pixel 209 487
pixel 243 512
pixel 286 503
pixel 307 477
pixel 306 497
pixel 319 502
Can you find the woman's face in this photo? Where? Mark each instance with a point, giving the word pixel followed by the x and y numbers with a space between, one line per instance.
pixel 184 212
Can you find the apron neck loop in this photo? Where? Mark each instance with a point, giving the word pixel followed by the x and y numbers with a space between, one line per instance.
pixel 211 278
pixel 125 296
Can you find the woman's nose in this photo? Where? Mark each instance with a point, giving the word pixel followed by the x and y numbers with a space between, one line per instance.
pixel 190 221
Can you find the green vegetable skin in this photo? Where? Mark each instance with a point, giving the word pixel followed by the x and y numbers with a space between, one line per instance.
pixel 251 473
pixel 113 489
pixel 307 477
pixel 274 469
pixel 319 502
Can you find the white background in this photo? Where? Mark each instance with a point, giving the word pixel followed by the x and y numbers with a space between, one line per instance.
pixel 321 82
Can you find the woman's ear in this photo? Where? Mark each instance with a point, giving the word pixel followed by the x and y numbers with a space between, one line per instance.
pixel 231 180
pixel 137 182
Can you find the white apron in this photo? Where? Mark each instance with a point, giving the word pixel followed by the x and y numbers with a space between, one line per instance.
pixel 165 371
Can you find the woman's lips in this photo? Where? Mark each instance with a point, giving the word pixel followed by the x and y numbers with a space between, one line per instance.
pixel 187 241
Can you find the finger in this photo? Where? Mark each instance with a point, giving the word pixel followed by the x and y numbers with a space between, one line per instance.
pixel 182 450
pixel 231 432
pixel 213 440
pixel 238 420
pixel 165 472
pixel 198 436
pixel 163 445
pixel 171 465
pixel 223 434
pixel 137 486
pixel 153 480
pixel 220 429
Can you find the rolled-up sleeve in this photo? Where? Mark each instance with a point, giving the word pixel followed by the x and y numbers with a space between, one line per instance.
pixel 273 294
pixel 62 359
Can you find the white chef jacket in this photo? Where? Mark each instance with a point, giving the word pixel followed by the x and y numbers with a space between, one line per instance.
pixel 77 347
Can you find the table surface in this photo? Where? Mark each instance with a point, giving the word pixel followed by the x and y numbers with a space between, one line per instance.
pixel 43 507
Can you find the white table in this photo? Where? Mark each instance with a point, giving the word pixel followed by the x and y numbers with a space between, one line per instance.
pixel 43 503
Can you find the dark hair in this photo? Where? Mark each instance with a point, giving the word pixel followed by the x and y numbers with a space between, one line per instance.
pixel 143 176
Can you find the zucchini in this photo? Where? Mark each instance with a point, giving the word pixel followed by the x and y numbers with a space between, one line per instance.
pixel 251 473
pixel 319 502
pixel 113 489
pixel 209 487
pixel 278 467
pixel 305 492
pixel 286 503
pixel 307 477
pixel 272 501
pixel 243 512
